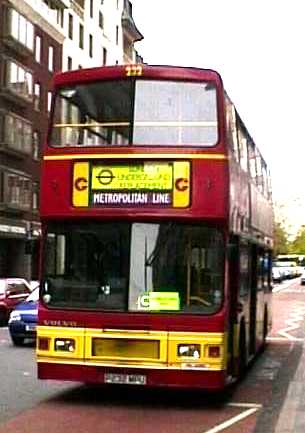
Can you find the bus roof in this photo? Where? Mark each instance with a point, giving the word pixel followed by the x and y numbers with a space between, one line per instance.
pixel 136 71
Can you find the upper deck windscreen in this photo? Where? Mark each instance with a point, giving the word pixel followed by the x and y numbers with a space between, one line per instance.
pixel 135 112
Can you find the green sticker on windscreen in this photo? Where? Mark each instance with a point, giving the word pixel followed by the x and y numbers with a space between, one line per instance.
pixel 158 301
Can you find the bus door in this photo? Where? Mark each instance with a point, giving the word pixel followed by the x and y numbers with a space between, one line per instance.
pixel 253 298
pixel 233 281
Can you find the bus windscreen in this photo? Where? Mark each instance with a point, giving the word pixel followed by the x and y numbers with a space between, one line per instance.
pixel 136 267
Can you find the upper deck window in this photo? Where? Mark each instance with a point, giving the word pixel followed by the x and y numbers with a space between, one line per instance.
pixel 141 112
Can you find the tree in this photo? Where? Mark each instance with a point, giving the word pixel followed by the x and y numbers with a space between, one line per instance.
pixel 280 239
pixel 297 246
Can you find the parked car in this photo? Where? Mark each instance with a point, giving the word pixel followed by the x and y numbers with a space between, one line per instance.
pixel 285 268
pixel 277 275
pixel 12 292
pixel 23 319
pixel 302 279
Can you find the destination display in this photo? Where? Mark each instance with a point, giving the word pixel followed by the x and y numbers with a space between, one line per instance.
pixel 165 184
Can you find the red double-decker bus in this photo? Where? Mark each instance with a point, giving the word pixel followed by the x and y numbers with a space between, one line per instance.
pixel 156 231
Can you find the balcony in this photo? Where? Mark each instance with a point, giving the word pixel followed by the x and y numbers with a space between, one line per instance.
pixel 52 4
pixel 61 3
pixel 12 209
pixel 15 92
pixel 78 6
pixel 17 99
pixel 7 150
pixel 81 3
pixel 129 28
pixel 17 46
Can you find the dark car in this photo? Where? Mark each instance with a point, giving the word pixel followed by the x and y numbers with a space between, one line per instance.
pixel 12 292
pixel 302 279
pixel 23 320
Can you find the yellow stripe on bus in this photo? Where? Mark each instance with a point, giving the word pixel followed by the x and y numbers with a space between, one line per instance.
pixel 212 156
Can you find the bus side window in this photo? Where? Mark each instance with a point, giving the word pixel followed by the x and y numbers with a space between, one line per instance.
pixel 244 271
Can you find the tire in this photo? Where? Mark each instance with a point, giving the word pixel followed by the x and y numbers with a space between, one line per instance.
pixel 17 341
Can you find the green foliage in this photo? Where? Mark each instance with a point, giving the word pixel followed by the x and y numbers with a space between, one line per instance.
pixel 281 244
pixel 297 246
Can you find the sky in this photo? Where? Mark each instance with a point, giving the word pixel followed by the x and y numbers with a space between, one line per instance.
pixel 258 47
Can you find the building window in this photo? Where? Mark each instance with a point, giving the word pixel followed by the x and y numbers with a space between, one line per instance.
pixel 49 101
pixel 91 8
pixel 90 45
pixel 51 59
pixel 117 4
pixel 1 187
pixel 81 36
pixel 38 49
pixel 69 63
pixel 60 17
pixel 104 56
pixel 37 96
pixel 117 35
pixel 17 190
pixel 101 20
pixel 21 29
pixel 19 80
pixel 70 31
pixel 17 133
pixel 36 145
pixel 35 196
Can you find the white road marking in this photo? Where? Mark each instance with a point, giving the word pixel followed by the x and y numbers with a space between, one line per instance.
pixel 250 409
pixel 247 405
pixel 294 320
pixel 285 339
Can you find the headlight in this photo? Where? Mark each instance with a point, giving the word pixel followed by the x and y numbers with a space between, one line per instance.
pixel 64 345
pixel 14 317
pixel 190 350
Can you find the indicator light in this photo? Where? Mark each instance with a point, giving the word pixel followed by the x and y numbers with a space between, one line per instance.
pixel 43 343
pixel 214 351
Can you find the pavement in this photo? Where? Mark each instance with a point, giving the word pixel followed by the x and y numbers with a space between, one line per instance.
pixel 292 415
pixel 291 418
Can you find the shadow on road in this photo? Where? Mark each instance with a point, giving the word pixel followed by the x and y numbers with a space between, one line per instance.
pixel 118 395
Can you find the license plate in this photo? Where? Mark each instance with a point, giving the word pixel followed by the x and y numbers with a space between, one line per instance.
pixel 30 328
pixel 125 379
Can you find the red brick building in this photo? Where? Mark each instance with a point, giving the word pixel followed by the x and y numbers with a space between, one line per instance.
pixel 30 52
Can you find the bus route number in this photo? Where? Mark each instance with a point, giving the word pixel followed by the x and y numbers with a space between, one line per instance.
pixel 134 70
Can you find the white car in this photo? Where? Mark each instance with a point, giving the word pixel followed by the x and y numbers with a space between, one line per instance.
pixel 277 275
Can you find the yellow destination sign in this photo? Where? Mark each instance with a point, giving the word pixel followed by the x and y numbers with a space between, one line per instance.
pixel 158 184
pixel 147 176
